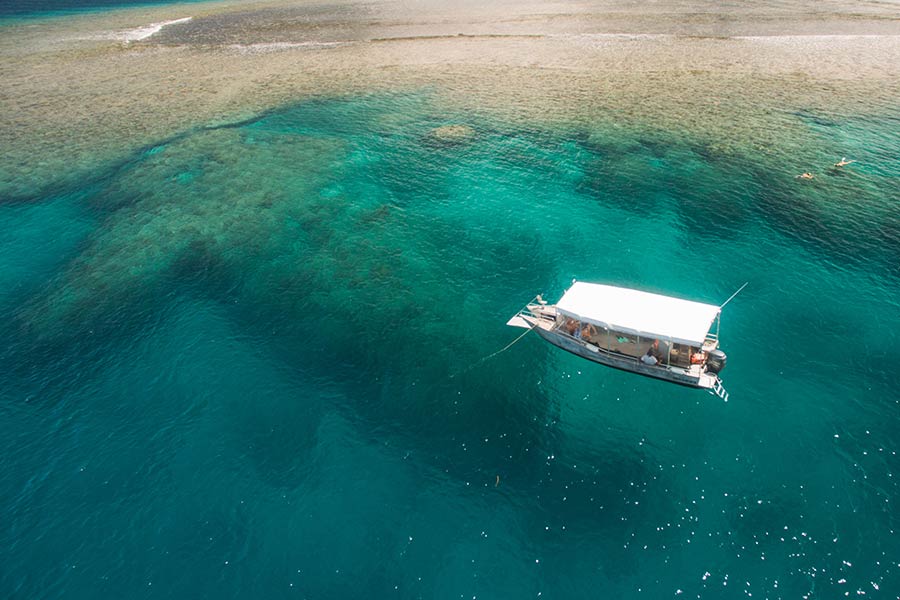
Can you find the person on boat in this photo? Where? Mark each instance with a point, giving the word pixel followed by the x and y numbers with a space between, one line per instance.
pixel 585 332
pixel 648 358
pixel 656 352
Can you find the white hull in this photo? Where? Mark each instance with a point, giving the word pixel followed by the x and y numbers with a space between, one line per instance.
pixel 691 376
pixel 542 318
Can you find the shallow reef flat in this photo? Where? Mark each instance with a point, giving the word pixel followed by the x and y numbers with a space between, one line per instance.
pixel 83 92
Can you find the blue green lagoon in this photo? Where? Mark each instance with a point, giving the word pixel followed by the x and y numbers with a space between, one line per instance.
pixel 244 350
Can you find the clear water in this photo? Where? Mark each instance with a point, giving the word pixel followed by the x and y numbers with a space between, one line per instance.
pixel 247 363
pixel 41 8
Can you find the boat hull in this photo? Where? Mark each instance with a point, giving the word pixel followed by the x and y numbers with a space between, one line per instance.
pixel 627 363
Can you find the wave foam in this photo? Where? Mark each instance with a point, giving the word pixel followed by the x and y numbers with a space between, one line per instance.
pixel 146 31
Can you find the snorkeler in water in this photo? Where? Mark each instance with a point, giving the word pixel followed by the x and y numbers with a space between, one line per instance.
pixel 843 162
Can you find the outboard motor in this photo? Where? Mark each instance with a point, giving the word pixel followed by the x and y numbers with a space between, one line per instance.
pixel 715 361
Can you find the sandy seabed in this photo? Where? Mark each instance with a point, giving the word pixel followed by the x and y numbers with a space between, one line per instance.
pixel 83 92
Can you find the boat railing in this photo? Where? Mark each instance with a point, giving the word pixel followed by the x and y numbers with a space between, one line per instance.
pixel 537 310
pixel 593 344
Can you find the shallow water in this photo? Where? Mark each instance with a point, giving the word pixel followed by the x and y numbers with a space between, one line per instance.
pixel 82 91
pixel 246 361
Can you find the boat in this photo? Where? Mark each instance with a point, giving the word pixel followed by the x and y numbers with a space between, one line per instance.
pixel 649 334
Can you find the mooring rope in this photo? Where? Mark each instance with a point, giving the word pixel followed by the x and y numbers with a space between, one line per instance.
pixel 489 356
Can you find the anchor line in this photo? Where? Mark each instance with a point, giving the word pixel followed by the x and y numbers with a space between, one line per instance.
pixel 489 356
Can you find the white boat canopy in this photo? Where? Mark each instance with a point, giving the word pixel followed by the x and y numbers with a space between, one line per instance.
pixel 639 313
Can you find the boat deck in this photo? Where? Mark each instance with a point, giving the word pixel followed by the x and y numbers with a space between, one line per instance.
pixel 618 350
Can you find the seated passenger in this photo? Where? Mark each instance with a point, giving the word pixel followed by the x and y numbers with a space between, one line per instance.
pixel 586 332
pixel 655 350
pixel 649 359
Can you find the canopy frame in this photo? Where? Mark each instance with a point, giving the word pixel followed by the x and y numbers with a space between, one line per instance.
pixel 639 313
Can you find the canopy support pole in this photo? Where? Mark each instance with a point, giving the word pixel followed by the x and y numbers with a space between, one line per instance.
pixel 734 294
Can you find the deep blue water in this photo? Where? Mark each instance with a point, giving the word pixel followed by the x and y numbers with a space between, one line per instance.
pixel 247 363
pixel 23 8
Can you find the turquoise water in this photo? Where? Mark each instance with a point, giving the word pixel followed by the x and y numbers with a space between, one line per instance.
pixel 247 363
pixel 39 8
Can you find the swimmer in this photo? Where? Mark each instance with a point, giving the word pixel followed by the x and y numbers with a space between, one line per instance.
pixel 844 162
pixel 805 176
